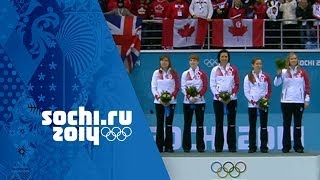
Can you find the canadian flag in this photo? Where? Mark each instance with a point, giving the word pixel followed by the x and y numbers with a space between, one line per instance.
pixel 183 32
pixel 238 32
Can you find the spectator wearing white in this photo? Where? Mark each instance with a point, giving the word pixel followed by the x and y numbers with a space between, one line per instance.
pixel 201 9
pixel 316 12
pixel 289 11
pixel 273 10
pixel 290 33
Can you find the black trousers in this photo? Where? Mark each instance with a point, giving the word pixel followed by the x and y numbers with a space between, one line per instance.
pixel 167 140
pixel 289 109
pixel 218 107
pixel 253 113
pixel 188 114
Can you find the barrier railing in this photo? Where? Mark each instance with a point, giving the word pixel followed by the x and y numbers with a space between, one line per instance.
pixel 277 35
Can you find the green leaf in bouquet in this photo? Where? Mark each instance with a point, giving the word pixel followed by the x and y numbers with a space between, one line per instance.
pixel 165 97
pixel 192 91
pixel 280 63
pixel 263 103
pixel 224 95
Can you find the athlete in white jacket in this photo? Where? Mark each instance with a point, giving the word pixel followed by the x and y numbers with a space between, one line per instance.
pixel 196 77
pixel 257 85
pixel 164 79
pixel 224 77
pixel 295 97
pixel 201 8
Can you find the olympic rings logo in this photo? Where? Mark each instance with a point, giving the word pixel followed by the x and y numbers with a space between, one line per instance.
pixel 228 168
pixel 211 62
pixel 116 133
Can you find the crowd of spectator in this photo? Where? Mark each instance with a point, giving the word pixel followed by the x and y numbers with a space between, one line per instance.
pixel 294 12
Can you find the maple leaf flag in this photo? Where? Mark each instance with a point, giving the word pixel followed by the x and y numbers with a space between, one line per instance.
pixel 184 32
pixel 238 33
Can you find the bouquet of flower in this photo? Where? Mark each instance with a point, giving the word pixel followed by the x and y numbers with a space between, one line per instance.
pixel 224 95
pixel 281 63
pixel 165 97
pixel 263 103
pixel 192 91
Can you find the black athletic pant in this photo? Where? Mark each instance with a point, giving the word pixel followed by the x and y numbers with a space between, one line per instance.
pixel 188 114
pixel 218 107
pixel 253 113
pixel 162 141
pixel 289 109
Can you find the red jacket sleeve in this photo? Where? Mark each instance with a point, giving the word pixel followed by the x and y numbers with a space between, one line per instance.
pixel 176 82
pixel 236 80
pixel 204 83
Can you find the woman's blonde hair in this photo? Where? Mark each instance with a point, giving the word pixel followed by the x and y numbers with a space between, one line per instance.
pixel 288 61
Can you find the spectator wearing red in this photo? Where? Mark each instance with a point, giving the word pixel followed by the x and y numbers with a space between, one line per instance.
pixel 220 9
pixel 120 10
pixel 237 11
pixel 113 4
pixel 178 9
pixel 260 9
pixel 158 9
pixel 141 8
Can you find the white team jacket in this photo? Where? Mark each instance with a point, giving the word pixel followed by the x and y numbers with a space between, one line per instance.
pixel 197 78
pixel 164 81
pixel 224 80
pixel 261 88
pixel 295 85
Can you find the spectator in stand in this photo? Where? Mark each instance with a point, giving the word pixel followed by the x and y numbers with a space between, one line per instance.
pixel 273 26
pixel 178 9
pixel 304 12
pixel 120 11
pixel 113 4
pixel 141 8
pixel 248 6
pixel 201 8
pixel 260 9
pixel 237 11
pixel 157 11
pixel 288 7
pixel 220 9
pixel 316 12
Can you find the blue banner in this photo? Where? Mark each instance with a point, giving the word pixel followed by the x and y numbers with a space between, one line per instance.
pixel 67 108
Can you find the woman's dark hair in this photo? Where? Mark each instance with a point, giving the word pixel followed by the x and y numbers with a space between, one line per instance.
pixel 223 51
pixel 250 75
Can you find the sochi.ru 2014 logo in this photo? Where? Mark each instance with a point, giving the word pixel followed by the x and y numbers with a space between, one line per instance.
pixel 228 168
pixel 83 125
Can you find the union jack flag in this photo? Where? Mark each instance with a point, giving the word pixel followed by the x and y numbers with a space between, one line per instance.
pixel 126 32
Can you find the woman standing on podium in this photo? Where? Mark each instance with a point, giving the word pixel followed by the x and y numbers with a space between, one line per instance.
pixel 295 97
pixel 193 86
pixel 224 79
pixel 165 88
pixel 257 90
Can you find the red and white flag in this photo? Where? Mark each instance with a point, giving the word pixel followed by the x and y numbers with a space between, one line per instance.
pixel 184 32
pixel 238 32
